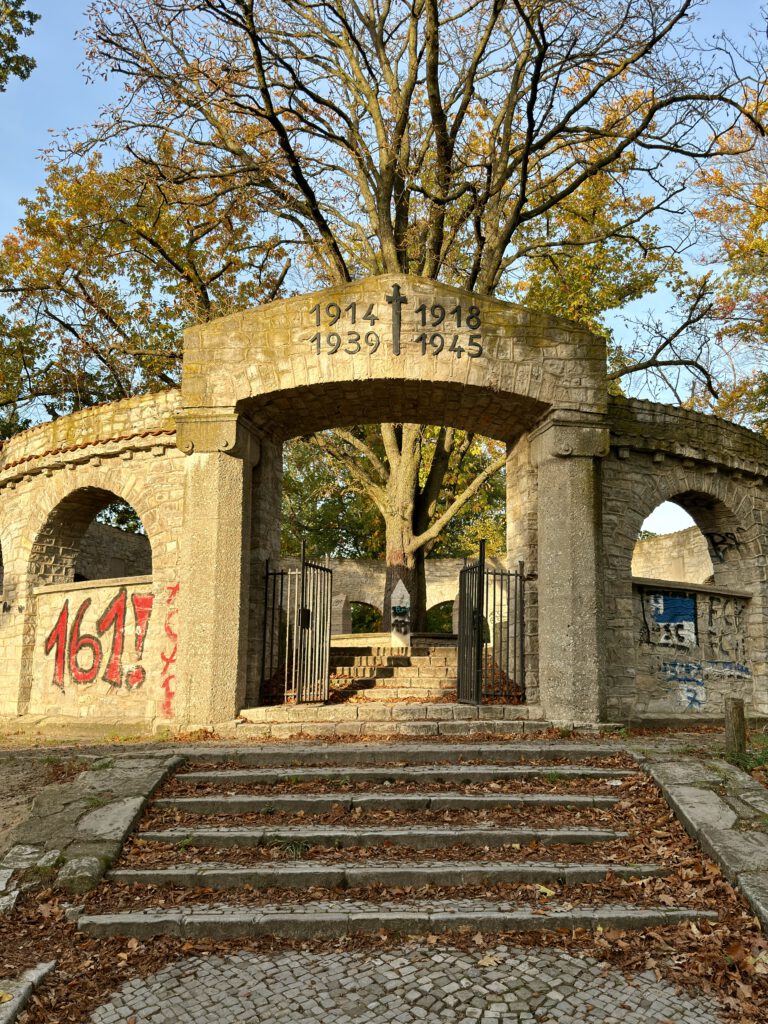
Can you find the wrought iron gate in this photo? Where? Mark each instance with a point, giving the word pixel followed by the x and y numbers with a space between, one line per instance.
pixel 297 634
pixel 491 634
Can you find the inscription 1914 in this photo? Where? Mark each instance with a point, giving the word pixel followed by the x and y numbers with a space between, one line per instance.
pixel 454 330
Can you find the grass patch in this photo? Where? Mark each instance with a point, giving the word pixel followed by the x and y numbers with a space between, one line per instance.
pixel 754 758
pixel 295 848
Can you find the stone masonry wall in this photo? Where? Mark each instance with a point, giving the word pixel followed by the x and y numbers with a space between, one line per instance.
pixel 682 556
pixel 106 553
pixel 49 496
pixel 522 545
pixel 691 649
pixel 492 367
pixel 667 455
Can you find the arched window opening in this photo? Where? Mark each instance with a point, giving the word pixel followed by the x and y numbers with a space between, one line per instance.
pixel 366 618
pixel 93 534
pixel 440 618
pixel 670 546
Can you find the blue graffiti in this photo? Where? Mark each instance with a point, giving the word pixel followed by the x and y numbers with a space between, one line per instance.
pixel 693 700
pixel 674 608
pixel 734 668
pixel 683 672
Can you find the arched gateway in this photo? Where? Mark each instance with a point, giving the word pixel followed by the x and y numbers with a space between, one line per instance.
pixel 202 469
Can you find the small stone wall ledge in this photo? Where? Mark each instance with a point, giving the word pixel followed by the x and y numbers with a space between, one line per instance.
pixel 120 581
pixel 700 588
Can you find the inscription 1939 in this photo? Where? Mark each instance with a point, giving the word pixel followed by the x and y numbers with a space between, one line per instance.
pixel 453 330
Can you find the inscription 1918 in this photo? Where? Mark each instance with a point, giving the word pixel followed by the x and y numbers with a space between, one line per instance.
pixel 452 330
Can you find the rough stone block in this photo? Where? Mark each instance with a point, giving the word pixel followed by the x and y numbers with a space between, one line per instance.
pixel 700 808
pixel 735 852
pixel 409 712
pixel 81 874
pixel 114 821
pixel 417 728
pixel 754 885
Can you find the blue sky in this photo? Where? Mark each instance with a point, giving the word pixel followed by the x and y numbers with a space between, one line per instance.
pixel 56 97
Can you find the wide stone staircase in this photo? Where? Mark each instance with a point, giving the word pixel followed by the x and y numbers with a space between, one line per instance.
pixel 413 839
pixel 423 672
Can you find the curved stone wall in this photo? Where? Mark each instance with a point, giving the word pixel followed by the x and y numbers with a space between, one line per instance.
pixel 53 480
pixel 717 472
pixel 202 468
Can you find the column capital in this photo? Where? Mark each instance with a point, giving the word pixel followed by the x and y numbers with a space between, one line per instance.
pixel 217 430
pixel 564 435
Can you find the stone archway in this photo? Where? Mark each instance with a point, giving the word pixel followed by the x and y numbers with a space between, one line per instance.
pixel 379 351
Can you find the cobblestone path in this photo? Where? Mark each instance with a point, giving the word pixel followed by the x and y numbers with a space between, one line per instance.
pixel 505 986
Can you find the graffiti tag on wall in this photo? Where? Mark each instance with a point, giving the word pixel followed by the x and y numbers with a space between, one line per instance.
pixel 81 656
pixel 687 682
pixel 720 544
pixel 724 617
pixel 708 633
pixel 170 650
pixel 670 618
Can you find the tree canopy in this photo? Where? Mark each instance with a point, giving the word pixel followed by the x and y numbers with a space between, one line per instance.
pixel 540 150
pixel 15 22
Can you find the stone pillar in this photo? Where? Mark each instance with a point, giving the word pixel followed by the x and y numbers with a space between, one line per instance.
pixel 571 630
pixel 341 615
pixel 522 539
pixel 213 627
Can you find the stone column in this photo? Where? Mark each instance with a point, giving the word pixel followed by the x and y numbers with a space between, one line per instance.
pixel 567 451
pixel 213 627
pixel 522 539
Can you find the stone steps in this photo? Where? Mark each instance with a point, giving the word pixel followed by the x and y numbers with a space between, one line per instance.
pixel 334 919
pixel 428 671
pixel 445 773
pixel 352 755
pixel 411 836
pixel 446 652
pixel 371 717
pixel 374 692
pixel 354 875
pixel 309 803
pixel 404 888
pixel 419 673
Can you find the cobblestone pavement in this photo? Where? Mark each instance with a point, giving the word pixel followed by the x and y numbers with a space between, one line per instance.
pixel 503 985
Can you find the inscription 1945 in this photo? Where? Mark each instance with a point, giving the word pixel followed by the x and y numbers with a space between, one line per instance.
pixel 453 330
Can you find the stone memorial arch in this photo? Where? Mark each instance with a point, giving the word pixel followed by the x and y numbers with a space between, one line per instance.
pixel 394 349
pixel 202 469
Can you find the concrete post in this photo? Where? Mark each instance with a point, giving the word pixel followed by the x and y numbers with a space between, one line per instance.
pixel 213 630
pixel 571 629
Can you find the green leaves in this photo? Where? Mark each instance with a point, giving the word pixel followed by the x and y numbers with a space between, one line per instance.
pixel 15 22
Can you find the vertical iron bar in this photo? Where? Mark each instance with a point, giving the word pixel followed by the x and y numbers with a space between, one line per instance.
pixel 520 610
pixel 264 636
pixel 479 632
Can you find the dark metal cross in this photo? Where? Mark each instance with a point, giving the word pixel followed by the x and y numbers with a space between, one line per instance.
pixel 396 300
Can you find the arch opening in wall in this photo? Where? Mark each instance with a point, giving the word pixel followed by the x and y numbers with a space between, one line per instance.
pixel 692 608
pixel 440 618
pixel 670 546
pixel 366 618
pixel 93 534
